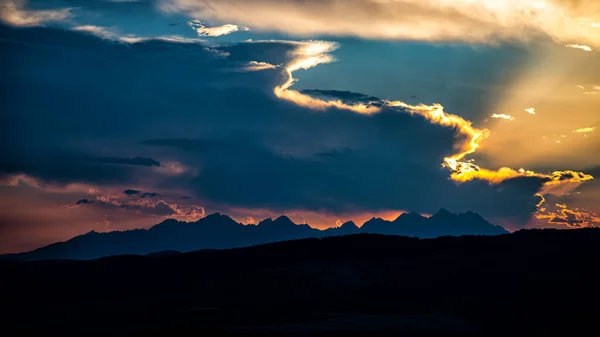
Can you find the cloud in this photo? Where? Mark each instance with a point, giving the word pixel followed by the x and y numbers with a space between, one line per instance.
pixel 83 202
pixel 202 30
pixel 258 66
pixel 268 147
pixel 312 53
pixel 563 215
pixel 579 46
pixel 13 12
pixel 96 30
pixel 585 130
pixel 114 34
pixel 473 21
pixel 58 171
pixel 503 116
pixel 143 206
pixel 131 192
pixel 137 161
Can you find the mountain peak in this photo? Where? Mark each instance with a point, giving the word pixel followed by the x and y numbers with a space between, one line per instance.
pixel 279 222
pixel 215 215
pixel 375 225
pixel 217 219
pixel 409 216
pixel 265 222
pixel 374 220
pixel 443 212
pixel 284 220
pixel 348 224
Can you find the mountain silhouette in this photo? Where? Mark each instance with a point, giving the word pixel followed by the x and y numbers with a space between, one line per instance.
pixel 218 231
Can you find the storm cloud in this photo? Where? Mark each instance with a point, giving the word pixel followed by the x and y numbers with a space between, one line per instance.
pixel 253 151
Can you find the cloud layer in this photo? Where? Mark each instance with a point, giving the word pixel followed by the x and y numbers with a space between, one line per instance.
pixel 13 12
pixel 480 21
pixel 258 151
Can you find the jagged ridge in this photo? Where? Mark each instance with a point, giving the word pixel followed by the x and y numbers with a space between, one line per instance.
pixel 218 231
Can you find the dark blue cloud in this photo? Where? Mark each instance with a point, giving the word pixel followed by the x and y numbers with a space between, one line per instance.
pixel 131 192
pixel 70 95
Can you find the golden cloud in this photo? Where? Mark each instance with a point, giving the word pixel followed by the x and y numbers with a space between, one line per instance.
pixel 585 130
pixel 472 21
pixel 563 215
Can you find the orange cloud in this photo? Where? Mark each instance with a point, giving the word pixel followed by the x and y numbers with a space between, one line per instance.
pixel 562 215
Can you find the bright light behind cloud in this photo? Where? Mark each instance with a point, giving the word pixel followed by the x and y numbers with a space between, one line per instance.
pixel 312 53
pixel 473 21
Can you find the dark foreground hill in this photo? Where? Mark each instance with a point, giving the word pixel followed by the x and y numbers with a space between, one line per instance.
pixel 217 231
pixel 529 283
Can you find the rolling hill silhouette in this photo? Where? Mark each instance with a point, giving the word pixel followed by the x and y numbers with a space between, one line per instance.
pixel 218 231
pixel 528 283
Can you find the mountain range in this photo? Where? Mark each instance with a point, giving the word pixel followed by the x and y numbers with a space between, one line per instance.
pixel 218 231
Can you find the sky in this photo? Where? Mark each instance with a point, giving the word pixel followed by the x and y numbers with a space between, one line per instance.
pixel 117 114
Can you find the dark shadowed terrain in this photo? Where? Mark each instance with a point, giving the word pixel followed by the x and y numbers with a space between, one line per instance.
pixel 529 283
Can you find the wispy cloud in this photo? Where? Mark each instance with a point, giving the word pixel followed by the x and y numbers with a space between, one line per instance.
pixel 105 33
pixel 503 116
pixel 258 66
pixel 530 111
pixel 13 12
pixel 113 34
pixel 579 46
pixel 585 130
pixel 143 205
pixel 202 30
